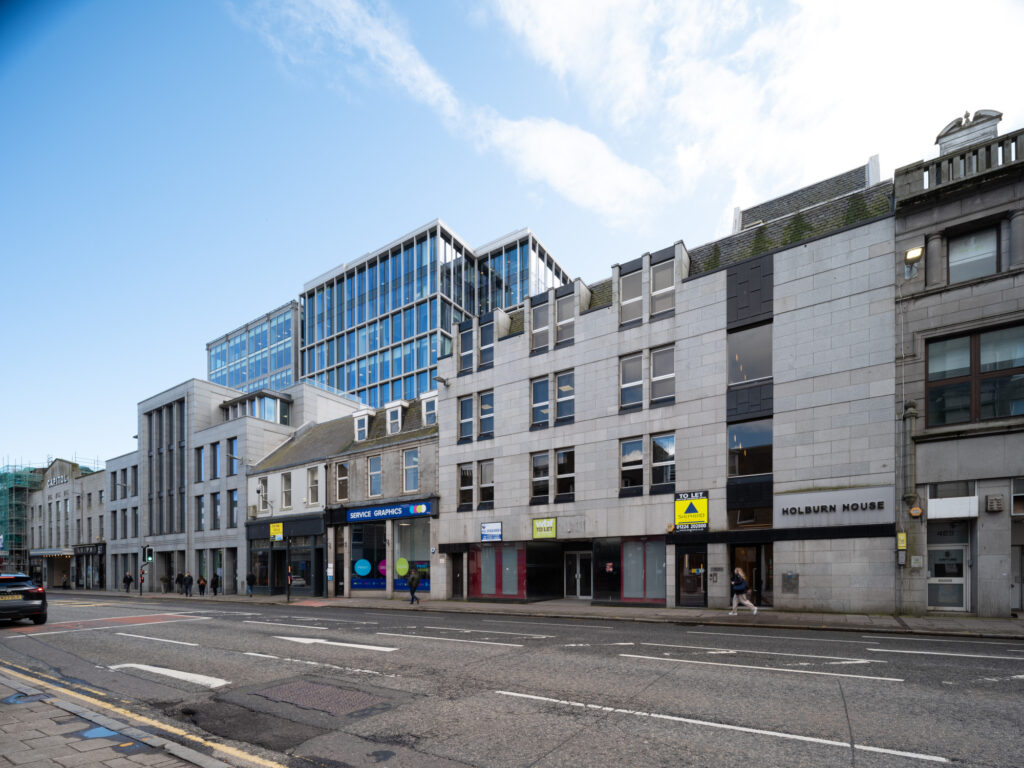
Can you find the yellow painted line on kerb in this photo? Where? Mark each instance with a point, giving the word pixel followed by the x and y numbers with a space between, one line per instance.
pixel 227 750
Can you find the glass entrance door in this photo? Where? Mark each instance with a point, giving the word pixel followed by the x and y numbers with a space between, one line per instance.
pixel 948 561
pixel 692 577
pixel 757 562
pixel 578 574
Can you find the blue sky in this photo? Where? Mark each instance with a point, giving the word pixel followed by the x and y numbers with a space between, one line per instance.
pixel 169 170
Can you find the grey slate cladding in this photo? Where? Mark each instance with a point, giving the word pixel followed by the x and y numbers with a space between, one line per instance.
pixel 843 184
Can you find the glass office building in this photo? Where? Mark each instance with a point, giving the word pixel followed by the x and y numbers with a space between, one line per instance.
pixel 376 326
pixel 259 355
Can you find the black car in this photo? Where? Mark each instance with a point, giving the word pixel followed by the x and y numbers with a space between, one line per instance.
pixel 21 598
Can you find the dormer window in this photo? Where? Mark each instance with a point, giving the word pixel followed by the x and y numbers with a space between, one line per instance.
pixel 361 427
pixel 430 411
pixel 394 421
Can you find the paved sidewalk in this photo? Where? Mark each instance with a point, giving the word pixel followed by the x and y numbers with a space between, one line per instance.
pixel 949 624
pixel 40 729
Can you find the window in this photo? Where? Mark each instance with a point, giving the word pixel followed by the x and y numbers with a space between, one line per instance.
pixel 373 476
pixel 312 486
pixel 214 511
pixel 261 494
pixel 630 381
pixel 113 525
pixel 750 448
pixel 232 456
pixel 486 345
pixel 565 474
pixel 630 304
pixel 951 489
pixel 539 335
pixel 565 318
pixel 430 411
pixel 539 410
pixel 486 472
pixel 214 461
pixel 750 354
pixel 466 350
pixel 663 377
pixel 100 499
pixel 974 255
pixel 394 421
pixel 286 490
pixel 976 377
pixel 565 397
pixel 631 463
pixel 200 465
pixel 341 472
pixel 411 465
pixel 663 294
pixel 539 474
pixel 465 418
pixel 465 486
pixel 200 513
pixel 233 508
pixel 663 460
pixel 1017 496
pixel 486 414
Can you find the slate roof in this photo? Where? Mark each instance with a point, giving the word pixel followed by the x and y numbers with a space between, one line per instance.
pixel 813 194
pixel 601 294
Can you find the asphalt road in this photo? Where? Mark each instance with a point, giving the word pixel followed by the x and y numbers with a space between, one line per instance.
pixel 350 687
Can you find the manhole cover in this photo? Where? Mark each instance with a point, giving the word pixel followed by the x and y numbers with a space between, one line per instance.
pixel 326 698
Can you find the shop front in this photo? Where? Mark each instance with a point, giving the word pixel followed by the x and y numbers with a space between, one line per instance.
pixel 287 555
pixel 88 570
pixel 52 567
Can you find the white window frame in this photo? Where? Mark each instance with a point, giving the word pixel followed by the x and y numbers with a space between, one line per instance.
pixel 463 487
pixel 430 410
pixel 561 400
pixel 486 348
pixel 465 355
pixel 638 382
pixel 667 293
pixel 539 332
pixel 261 494
pixel 312 486
pixel 481 431
pixel 361 427
pixel 560 476
pixel 633 464
pixel 535 404
pixel 486 480
pixel 466 422
pixel 534 477
pixel 341 476
pixel 668 352
pixel 411 464
pixel 656 464
pixel 631 309
pixel 565 321
pixel 394 421
pixel 286 490
pixel 371 474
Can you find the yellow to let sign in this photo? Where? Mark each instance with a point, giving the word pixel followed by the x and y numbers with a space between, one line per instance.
pixel 901 541
pixel 277 531
pixel 691 510
pixel 544 528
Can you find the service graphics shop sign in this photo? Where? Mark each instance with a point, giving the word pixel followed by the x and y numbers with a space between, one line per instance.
pixel 395 512
pixel 820 509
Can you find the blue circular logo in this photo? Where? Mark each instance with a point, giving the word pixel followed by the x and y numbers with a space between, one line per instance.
pixel 362 567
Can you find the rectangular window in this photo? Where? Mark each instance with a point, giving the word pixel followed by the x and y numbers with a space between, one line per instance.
pixel 394 421
pixel 952 489
pixel 565 319
pixel 539 402
pixel 361 427
pixel 539 335
pixel 663 293
pixel 411 465
pixel 214 511
pixel 630 381
pixel 113 526
pixel 466 485
pixel 486 472
pixel 540 473
pixel 565 474
pixel 750 354
pixel 1017 500
pixel 286 490
pixel 312 486
pixel 750 448
pixel 341 472
pixel 200 513
pixel 374 476
pixel 233 457
pixel 974 255
pixel 233 508
pixel 486 414
pixel 430 411
pixel 465 418
pixel 663 377
pixel 486 344
pixel 200 465
pixel 465 351
pixel 976 377
pixel 565 396
pixel 631 463
pixel 214 461
pixel 261 494
pixel 663 460
pixel 630 303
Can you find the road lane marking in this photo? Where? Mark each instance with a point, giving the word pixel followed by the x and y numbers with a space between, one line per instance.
pixel 29 631
pixel 452 639
pixel 158 639
pixel 767 669
pixel 491 632
pixel 318 641
pixel 1012 646
pixel 940 653
pixel 546 624
pixel 843 659
pixel 188 677
pixel 344 621
pixel 280 624
pixel 782 637
pixel 728 727
pixel 261 655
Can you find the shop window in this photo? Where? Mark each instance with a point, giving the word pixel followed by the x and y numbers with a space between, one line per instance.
pixel 974 255
pixel 630 381
pixel 540 472
pixel 565 319
pixel 466 418
pixel 539 403
pixel 976 377
pixel 750 448
pixel 750 354
pixel 631 464
pixel 465 487
pixel 486 345
pixel 630 298
pixel 486 428
pixel 286 490
pixel 412 543
pixel 663 377
pixel 411 465
pixel 485 471
pixel 312 486
pixel 341 476
pixel 374 476
pixel 663 463
pixel 565 475
pixel 369 553
pixel 539 334
pixel 663 294
pixel 565 397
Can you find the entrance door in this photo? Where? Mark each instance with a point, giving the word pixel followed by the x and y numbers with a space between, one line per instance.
pixel 757 563
pixel 1017 569
pixel 948 572
pixel 455 563
pixel 578 574
pixel 692 577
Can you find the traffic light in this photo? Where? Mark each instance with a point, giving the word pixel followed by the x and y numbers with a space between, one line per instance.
pixel 149 554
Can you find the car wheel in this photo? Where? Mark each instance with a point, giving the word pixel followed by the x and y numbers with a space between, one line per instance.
pixel 39 619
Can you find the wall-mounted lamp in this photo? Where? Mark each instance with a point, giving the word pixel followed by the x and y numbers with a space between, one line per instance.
pixel 441 380
pixel 910 259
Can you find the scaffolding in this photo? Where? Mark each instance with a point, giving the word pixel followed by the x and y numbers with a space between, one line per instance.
pixel 16 482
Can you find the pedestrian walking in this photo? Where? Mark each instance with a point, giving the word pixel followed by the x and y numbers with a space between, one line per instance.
pixel 414 581
pixel 214 584
pixel 127 581
pixel 202 586
pixel 739 591
pixel 188 582
pixel 250 581
pixel 179 582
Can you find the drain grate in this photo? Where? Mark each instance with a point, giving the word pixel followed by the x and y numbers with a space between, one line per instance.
pixel 326 698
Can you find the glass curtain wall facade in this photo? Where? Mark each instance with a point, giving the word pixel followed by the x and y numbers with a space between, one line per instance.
pixel 376 328
pixel 259 355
